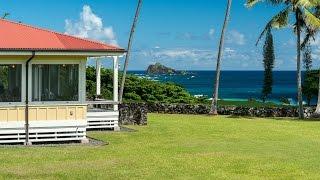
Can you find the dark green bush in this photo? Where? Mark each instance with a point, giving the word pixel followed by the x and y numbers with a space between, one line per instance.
pixel 138 89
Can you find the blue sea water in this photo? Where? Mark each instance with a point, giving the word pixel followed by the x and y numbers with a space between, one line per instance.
pixel 238 85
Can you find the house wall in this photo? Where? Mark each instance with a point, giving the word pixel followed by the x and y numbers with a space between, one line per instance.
pixel 42 111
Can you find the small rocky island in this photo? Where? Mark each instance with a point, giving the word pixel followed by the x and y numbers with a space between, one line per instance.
pixel 158 68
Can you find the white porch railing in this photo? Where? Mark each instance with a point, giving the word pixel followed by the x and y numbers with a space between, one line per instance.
pixel 100 116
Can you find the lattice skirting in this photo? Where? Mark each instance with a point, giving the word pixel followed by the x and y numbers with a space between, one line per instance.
pixel 103 120
pixel 43 131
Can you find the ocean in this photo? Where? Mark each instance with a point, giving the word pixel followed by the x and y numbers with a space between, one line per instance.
pixel 234 85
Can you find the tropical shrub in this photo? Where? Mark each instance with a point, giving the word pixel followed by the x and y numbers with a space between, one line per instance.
pixel 310 85
pixel 138 89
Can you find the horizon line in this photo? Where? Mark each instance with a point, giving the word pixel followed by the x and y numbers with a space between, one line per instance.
pixel 221 70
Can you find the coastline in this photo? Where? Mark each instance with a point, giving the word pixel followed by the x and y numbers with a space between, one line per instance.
pixel 235 85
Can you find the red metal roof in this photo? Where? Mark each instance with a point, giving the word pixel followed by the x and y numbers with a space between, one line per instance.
pixel 20 37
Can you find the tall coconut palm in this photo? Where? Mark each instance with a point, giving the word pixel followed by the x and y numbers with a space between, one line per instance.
pixel 317 112
pixel 302 10
pixel 311 34
pixel 126 63
pixel 214 104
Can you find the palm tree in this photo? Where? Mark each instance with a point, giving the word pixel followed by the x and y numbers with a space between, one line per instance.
pixel 317 111
pixel 126 63
pixel 311 33
pixel 214 104
pixel 304 18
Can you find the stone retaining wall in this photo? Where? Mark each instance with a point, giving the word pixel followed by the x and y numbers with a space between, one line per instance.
pixel 133 114
pixel 229 110
pixel 136 113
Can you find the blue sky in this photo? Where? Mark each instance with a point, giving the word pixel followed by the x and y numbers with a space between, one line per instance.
pixel 179 33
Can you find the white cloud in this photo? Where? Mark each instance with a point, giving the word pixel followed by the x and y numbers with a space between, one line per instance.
pixel 316 54
pixel 188 58
pixel 194 54
pixel 188 36
pixel 315 41
pixel 90 26
pixel 290 43
pixel 211 33
pixel 235 37
pixel 278 63
pixel 316 47
pixel 229 50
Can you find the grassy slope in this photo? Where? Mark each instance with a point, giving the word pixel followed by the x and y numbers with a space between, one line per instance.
pixel 180 146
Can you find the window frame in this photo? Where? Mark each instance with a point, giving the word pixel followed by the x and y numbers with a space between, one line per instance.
pixel 23 82
pixel 81 79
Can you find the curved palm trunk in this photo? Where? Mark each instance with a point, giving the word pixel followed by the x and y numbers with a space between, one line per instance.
pixel 214 104
pixel 318 103
pixel 125 68
pixel 301 112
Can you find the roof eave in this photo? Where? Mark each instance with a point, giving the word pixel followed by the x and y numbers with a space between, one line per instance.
pixel 42 52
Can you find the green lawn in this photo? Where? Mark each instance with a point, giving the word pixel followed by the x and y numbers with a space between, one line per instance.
pixel 180 147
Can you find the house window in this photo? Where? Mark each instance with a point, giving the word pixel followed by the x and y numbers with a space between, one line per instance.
pixel 55 82
pixel 10 83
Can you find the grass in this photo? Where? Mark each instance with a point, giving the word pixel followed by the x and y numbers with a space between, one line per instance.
pixel 180 147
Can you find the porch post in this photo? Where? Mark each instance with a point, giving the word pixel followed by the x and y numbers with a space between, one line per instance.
pixel 115 82
pixel 98 77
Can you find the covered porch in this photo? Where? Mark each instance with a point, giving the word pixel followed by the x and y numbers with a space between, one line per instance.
pixel 104 113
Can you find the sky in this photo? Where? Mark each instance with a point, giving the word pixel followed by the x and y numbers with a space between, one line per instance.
pixel 183 34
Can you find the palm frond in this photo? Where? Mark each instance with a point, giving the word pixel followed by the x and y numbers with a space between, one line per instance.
pixel 278 21
pixel 251 3
pixel 307 39
pixel 311 20
pixel 281 19
pixel 307 3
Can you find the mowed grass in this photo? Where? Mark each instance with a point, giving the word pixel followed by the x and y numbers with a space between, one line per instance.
pixel 180 147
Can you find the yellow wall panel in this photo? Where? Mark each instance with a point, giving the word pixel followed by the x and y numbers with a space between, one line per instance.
pixel 21 114
pixel 80 112
pixel 52 114
pixel 72 113
pixel 42 113
pixel 84 115
pixel 3 114
pixel 12 114
pixel 62 113
pixel 32 114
